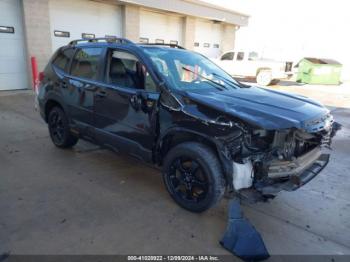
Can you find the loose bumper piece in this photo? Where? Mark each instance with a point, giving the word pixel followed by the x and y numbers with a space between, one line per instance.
pixel 241 238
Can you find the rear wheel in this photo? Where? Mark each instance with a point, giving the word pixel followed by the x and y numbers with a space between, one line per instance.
pixel 193 176
pixel 59 129
pixel 275 81
pixel 264 77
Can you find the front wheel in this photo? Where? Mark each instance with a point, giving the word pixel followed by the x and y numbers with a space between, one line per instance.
pixel 264 77
pixel 59 129
pixel 193 176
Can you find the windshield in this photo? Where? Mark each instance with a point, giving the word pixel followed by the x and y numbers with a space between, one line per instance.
pixel 186 70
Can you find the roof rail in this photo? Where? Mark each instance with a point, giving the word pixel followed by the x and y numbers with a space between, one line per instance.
pixel 165 44
pixel 102 39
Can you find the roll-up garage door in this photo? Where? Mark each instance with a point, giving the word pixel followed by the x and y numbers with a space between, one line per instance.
pixel 208 38
pixel 160 28
pixel 13 64
pixel 70 20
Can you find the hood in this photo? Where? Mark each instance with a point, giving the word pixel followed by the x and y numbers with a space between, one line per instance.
pixel 261 107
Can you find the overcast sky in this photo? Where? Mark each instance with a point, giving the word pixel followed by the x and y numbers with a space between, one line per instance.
pixel 290 29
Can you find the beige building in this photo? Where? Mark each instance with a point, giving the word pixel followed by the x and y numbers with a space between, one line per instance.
pixel 38 27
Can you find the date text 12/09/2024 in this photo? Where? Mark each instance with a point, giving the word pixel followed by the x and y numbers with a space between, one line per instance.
pixel 174 258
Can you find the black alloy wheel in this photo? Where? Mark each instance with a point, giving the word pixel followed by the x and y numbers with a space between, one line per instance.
pixel 193 176
pixel 188 180
pixel 59 129
pixel 56 127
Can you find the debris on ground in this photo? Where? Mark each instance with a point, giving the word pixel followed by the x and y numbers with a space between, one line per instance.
pixel 4 256
pixel 241 238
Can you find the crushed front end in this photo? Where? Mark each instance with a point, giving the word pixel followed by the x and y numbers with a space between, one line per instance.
pixel 266 162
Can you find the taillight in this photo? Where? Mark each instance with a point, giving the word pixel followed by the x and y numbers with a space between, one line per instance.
pixel 41 76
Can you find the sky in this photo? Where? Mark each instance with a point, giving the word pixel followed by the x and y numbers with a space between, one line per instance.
pixel 290 30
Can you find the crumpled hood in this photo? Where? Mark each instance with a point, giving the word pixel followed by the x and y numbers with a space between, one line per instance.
pixel 262 107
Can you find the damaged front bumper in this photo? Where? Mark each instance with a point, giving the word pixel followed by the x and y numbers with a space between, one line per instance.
pixel 287 176
pixel 300 176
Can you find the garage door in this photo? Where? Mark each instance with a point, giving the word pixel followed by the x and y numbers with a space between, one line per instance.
pixel 157 27
pixel 13 70
pixel 208 38
pixel 70 20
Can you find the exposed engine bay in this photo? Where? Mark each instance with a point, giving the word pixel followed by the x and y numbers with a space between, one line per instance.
pixel 269 161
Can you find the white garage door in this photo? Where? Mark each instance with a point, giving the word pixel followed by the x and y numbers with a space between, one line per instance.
pixel 13 70
pixel 70 19
pixel 208 38
pixel 157 27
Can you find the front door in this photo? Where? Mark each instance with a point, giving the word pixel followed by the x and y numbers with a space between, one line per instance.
pixel 226 62
pixel 240 65
pixel 125 106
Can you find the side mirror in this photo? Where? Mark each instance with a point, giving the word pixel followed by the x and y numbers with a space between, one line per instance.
pixel 136 101
pixel 140 100
pixel 143 95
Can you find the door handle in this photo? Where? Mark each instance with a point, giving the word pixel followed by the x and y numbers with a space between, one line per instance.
pixel 136 102
pixel 89 87
pixel 63 84
pixel 101 93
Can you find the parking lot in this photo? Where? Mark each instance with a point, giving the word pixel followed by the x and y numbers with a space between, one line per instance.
pixel 91 201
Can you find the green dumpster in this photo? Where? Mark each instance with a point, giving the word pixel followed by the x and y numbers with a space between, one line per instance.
pixel 319 71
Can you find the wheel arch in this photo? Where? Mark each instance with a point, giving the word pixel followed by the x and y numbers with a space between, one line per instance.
pixel 176 136
pixel 50 103
pixel 262 69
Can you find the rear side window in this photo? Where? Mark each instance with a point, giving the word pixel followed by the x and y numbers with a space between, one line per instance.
pixel 240 56
pixel 85 63
pixel 228 56
pixel 63 58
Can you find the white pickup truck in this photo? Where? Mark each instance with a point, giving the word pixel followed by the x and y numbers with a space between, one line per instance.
pixel 249 64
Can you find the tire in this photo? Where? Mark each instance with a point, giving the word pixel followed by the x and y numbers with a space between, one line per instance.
pixel 59 129
pixel 275 81
pixel 193 176
pixel 264 77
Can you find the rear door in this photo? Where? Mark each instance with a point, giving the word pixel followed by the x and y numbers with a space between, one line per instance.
pixel 241 67
pixel 125 106
pixel 81 85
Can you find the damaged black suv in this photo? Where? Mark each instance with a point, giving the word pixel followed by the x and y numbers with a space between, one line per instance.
pixel 178 110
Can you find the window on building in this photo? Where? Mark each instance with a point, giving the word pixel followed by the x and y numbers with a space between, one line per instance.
pixel 216 45
pixel 196 44
pixel 63 58
pixel 110 36
pixel 85 63
pixel 58 33
pixel 240 56
pixel 228 56
pixel 87 36
pixel 7 29
pixel 144 40
pixel 206 45
pixel 126 70
pixel 174 42
pixel 159 41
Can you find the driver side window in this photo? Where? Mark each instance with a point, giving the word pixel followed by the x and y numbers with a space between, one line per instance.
pixel 125 70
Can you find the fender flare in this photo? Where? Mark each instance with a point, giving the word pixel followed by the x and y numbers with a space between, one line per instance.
pixel 225 162
pixel 53 96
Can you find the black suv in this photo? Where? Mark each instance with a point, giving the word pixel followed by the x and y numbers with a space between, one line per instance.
pixel 176 109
